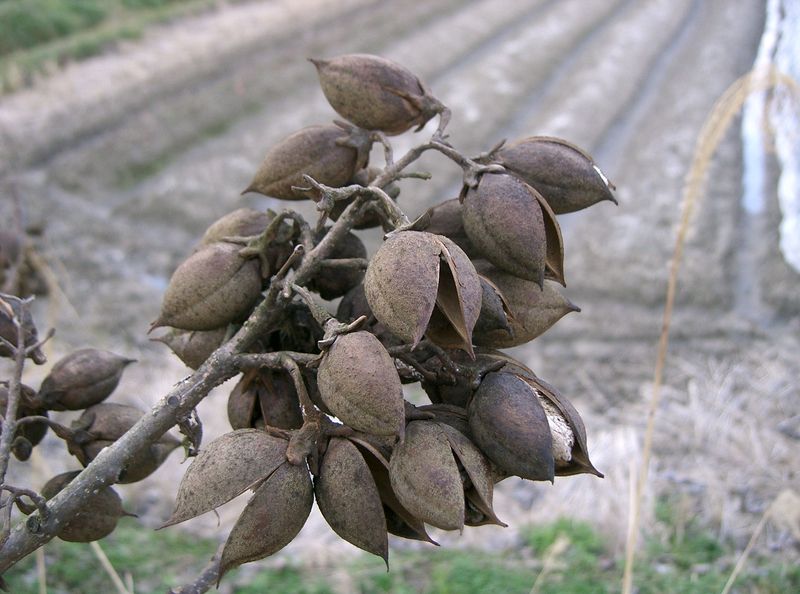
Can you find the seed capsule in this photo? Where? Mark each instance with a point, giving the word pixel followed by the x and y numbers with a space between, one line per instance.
pixel 193 347
pixel 321 152
pixel 331 283
pixel 81 379
pixel 11 307
pixel 375 93
pixel 358 382
pixel 102 424
pixel 210 289
pixel 30 434
pixel 97 518
pixel 264 397
pixel 565 175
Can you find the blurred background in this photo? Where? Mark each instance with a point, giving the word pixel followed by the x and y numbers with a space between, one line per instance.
pixel 128 126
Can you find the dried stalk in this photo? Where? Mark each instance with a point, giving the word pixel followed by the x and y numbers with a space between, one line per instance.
pixel 722 114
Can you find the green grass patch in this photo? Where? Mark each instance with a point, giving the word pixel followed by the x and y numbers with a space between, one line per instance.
pixel 695 562
pixel 37 36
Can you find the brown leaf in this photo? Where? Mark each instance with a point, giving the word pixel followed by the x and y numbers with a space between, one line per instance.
pixel 348 498
pixel 226 468
pixel 425 476
pixel 272 518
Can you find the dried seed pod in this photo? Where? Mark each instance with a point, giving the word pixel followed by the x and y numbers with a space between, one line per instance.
pixel 504 219
pixel 358 382
pixel 375 93
pixel 349 500
pixel 354 305
pixel 30 434
pixel 566 427
pixel 81 379
pixel 495 313
pixel 193 347
pixel 243 222
pixel 533 310
pixel 399 521
pixel 11 307
pixel 272 518
pixel 426 478
pixel 479 480
pixel 98 516
pixel 333 283
pixel 416 280
pixel 224 469
pixel 211 288
pixel 326 153
pixel 445 219
pixel 565 175
pixel 265 395
pixel 102 424
pixel 509 425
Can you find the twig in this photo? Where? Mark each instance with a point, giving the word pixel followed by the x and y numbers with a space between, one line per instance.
pixel 722 114
pixel 746 552
pixel 14 392
pixel 550 561
pixel 109 568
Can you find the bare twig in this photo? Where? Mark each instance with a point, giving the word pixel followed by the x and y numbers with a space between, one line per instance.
pixel 207 578
pixel 14 392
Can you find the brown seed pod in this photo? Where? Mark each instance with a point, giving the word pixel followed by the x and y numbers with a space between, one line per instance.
pixel 358 382
pixel 30 434
pixel 81 379
pixel 243 222
pixel 210 289
pixel 505 220
pixel 11 307
pixel 272 518
pixel 264 395
pixel 193 347
pixel 102 424
pixel 426 478
pixel 326 153
pixel 445 219
pixel 375 93
pixel 349 500
pixel 98 516
pixel 224 469
pixel 509 425
pixel 354 305
pixel 418 282
pixel 533 310
pixel 331 283
pixel 565 175
pixel 399 521
pixel 566 427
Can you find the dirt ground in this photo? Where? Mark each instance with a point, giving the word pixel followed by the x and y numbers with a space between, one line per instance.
pixel 126 158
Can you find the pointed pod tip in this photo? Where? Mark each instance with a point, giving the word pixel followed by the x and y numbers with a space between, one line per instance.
pixel 319 63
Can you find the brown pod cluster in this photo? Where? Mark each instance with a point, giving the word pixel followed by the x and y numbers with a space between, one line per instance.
pixel 566 176
pixel 102 424
pixel 446 219
pixel 368 218
pixel 328 153
pixel 375 93
pixel 512 226
pixel 81 379
pixel 264 397
pixel 97 518
pixel 210 289
pixel 358 382
pixel 420 283
pixel 30 434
